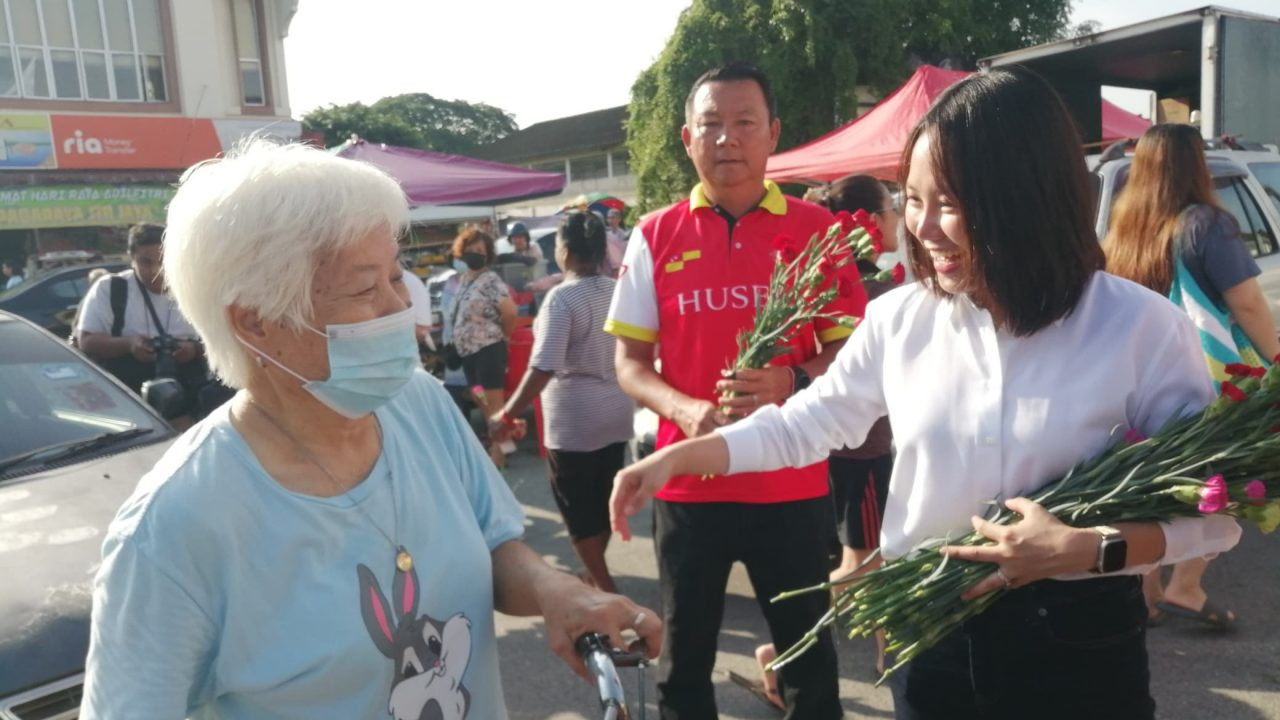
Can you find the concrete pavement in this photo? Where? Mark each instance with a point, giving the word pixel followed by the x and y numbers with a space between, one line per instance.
pixel 1197 674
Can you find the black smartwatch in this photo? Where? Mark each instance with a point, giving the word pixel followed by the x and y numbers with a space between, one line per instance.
pixel 802 379
pixel 1112 551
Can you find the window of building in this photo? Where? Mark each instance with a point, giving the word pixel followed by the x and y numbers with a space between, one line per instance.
pixel 554 166
pixel 621 163
pixel 110 50
pixel 249 51
pixel 591 167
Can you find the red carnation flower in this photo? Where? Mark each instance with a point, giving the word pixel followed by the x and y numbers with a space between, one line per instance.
pixel 899 274
pixel 862 219
pixel 1257 372
pixel 787 255
pixel 1230 390
pixel 826 266
pixel 1238 370
pixel 877 247
pixel 847 224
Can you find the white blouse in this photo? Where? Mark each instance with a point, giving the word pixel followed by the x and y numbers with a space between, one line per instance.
pixel 979 414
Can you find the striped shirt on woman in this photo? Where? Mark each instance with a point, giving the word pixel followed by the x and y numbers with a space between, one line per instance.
pixel 584 408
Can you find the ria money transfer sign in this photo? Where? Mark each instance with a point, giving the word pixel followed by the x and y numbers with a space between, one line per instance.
pixel 50 206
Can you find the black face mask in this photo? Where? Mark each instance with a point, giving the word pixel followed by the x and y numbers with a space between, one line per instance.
pixel 474 260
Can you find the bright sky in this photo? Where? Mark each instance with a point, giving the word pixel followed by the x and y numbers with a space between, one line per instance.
pixel 538 60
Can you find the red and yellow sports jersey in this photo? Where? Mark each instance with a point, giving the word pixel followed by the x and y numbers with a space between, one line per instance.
pixel 691 281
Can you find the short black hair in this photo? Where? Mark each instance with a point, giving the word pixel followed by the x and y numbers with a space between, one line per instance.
pixel 733 72
pixel 145 235
pixel 583 237
pixel 1007 152
pixel 852 193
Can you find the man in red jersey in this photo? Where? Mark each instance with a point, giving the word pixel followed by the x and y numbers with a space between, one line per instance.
pixel 692 278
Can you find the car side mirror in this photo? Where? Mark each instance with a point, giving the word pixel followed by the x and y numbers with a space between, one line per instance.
pixel 165 396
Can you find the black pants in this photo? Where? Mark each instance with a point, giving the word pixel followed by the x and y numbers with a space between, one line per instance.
pixel 1051 650
pixel 783 546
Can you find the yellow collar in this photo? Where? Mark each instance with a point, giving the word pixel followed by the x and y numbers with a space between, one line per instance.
pixel 774 201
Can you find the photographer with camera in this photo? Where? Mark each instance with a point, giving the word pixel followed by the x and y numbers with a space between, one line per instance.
pixel 132 329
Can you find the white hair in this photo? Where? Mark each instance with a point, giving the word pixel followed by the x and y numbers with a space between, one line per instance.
pixel 250 230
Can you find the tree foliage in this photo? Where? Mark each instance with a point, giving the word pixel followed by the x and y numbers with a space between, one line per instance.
pixel 414 120
pixel 451 126
pixel 340 122
pixel 816 53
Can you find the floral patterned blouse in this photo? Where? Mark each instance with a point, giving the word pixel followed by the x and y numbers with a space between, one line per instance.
pixel 479 323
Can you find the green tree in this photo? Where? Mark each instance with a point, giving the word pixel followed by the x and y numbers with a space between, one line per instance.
pixel 816 53
pixel 959 32
pixel 340 122
pixel 451 126
pixel 414 120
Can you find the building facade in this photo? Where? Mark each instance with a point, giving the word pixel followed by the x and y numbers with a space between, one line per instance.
pixel 589 149
pixel 104 103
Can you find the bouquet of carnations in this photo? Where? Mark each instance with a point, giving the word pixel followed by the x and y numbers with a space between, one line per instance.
pixel 1223 460
pixel 805 280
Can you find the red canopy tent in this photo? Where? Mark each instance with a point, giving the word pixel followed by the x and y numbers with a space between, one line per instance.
pixel 432 178
pixel 872 143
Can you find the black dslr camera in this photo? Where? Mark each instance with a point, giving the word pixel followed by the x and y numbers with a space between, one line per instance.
pixel 165 392
pixel 164 348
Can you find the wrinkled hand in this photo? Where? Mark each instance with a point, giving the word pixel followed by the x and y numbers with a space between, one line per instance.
pixel 140 348
pixel 1037 547
pixel 572 609
pixel 633 487
pixel 699 417
pixel 747 390
pixel 186 352
pixel 499 430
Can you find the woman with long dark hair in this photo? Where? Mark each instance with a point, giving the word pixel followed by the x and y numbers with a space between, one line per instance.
pixel 1170 233
pixel 1014 359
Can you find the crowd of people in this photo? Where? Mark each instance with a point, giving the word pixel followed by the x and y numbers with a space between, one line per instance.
pixel 329 482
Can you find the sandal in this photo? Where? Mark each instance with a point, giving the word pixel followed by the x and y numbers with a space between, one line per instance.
pixel 1211 614
pixel 768 696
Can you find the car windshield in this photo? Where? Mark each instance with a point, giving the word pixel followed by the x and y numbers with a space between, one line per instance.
pixel 50 397
pixel 1268 173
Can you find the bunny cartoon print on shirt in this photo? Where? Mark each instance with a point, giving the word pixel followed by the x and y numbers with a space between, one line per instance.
pixel 430 655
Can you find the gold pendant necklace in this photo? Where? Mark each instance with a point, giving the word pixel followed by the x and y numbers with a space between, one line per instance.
pixel 404 561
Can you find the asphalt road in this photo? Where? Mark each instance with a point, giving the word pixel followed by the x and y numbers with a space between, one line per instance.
pixel 1197 673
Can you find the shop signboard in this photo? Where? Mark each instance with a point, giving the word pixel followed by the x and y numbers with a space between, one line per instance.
pixel 37 141
pixel 55 206
pixel 116 142
pixel 26 142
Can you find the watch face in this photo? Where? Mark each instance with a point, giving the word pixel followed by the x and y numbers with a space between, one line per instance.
pixel 1113 555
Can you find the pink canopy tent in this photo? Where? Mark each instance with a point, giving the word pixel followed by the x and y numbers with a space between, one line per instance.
pixel 872 143
pixel 431 178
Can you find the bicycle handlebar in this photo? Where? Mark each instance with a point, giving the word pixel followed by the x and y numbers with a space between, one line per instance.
pixel 602 662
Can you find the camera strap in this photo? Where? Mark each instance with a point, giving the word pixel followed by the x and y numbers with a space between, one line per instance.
pixel 151 308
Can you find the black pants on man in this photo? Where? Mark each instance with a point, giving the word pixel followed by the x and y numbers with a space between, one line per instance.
pixel 784 547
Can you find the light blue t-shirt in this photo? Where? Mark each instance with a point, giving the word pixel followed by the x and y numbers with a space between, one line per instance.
pixel 224 595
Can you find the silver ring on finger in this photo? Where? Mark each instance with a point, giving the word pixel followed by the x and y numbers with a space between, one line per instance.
pixel 1008 584
pixel 640 617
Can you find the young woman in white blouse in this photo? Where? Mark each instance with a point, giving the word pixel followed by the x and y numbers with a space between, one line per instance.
pixel 1014 359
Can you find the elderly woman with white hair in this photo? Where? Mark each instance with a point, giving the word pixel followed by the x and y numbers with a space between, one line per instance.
pixel 333 542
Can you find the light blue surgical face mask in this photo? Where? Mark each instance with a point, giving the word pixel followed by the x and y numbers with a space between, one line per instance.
pixel 369 363
pixel 459 265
